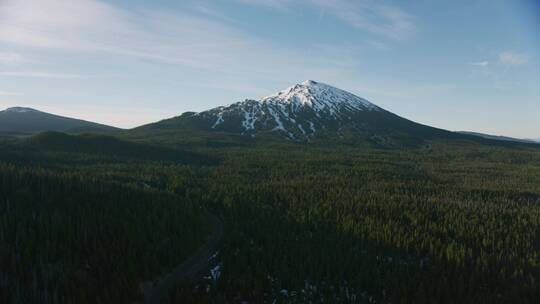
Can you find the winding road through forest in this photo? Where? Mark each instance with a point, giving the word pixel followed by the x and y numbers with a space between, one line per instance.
pixel 193 267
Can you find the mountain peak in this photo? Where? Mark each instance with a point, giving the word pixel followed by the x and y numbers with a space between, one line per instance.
pixel 304 111
pixel 309 83
pixel 297 112
pixel 320 97
pixel 20 110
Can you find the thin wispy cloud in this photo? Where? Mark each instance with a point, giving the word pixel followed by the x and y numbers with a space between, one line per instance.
pixel 274 4
pixel 374 17
pixel 178 38
pixel 8 93
pixel 40 74
pixel 512 58
pixel 385 20
pixel 7 58
pixel 209 11
pixel 481 63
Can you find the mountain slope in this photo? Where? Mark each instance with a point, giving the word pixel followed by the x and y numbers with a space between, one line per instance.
pixel 51 146
pixel 305 112
pixel 24 121
pixel 109 146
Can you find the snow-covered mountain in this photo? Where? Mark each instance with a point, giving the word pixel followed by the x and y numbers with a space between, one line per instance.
pixel 304 111
pixel 297 112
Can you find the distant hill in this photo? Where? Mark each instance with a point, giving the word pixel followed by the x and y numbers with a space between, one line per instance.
pixel 27 121
pixel 501 138
pixel 108 147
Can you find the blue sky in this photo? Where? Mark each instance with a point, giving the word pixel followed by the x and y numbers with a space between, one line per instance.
pixel 459 65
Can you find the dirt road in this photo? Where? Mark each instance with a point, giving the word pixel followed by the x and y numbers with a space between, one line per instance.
pixel 192 268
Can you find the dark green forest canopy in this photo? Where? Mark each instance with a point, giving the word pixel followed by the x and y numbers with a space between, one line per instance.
pixel 455 222
pixel 440 221
pixel 56 145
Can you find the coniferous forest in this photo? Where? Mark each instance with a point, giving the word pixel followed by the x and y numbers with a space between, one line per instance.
pixel 438 222
pixel 269 152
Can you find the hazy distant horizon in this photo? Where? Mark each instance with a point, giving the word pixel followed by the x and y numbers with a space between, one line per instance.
pixel 459 66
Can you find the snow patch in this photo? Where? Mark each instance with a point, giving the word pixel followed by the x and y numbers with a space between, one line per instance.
pixel 249 119
pixel 301 129
pixel 277 120
pixel 216 272
pixel 213 256
pixel 20 110
pixel 218 121
pixel 312 127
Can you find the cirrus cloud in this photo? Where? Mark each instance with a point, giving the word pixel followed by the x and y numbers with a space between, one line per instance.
pixel 7 58
pixel 374 17
pixel 40 74
pixel 481 63
pixel 9 93
pixel 93 27
pixel 513 58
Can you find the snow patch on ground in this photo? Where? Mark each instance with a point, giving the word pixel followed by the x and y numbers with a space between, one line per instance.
pixel 277 120
pixel 317 292
pixel 20 110
pixel 249 119
pixel 213 256
pixel 312 127
pixel 218 121
pixel 301 129
pixel 216 272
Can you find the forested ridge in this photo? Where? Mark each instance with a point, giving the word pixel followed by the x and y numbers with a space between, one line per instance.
pixel 70 238
pixel 442 222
